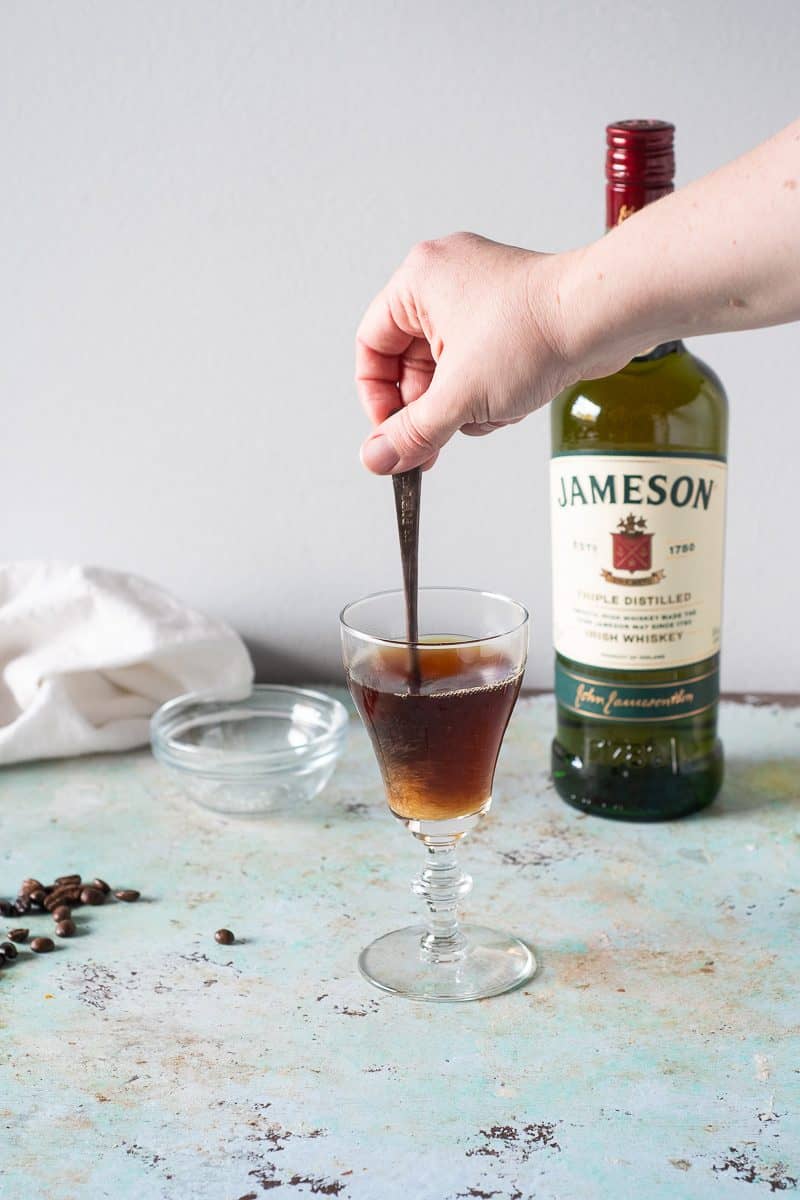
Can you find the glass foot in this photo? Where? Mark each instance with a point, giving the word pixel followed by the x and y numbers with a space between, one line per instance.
pixel 490 964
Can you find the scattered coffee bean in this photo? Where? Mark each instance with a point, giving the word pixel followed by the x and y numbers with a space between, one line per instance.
pixel 224 937
pixel 59 898
pixel 67 894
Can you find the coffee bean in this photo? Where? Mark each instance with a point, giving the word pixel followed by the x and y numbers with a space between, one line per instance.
pixel 10 949
pixel 65 889
pixel 18 935
pixel 30 885
pixel 92 895
pixel 224 937
pixel 128 895
pixel 7 908
pixel 102 885
pixel 3 959
pixel 62 913
pixel 67 879
pixel 22 905
pixel 63 895
pixel 65 928
pixel 37 900
pixel 42 945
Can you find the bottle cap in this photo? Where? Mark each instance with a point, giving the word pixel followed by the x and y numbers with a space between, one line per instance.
pixel 640 166
pixel 640 152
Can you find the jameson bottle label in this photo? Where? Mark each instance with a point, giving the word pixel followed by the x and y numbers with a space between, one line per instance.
pixel 637 578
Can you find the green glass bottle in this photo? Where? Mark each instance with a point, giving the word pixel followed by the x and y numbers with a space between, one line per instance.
pixel 638 479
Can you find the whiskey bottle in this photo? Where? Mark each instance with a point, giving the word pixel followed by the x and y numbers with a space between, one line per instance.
pixel 638 478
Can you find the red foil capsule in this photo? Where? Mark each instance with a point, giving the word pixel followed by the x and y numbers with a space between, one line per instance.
pixel 640 166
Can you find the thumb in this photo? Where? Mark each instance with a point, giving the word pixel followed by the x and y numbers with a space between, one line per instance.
pixel 415 434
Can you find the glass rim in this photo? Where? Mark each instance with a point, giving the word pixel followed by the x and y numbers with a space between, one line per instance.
pixel 473 641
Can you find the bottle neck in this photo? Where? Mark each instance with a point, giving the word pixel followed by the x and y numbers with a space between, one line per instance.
pixel 640 168
pixel 623 199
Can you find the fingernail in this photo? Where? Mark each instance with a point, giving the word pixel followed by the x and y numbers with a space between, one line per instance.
pixel 379 455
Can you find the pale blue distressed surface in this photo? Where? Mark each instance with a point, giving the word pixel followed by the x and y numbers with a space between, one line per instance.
pixel 655 1055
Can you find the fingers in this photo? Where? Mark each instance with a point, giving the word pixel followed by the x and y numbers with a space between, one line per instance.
pixel 394 364
pixel 481 428
pixel 413 435
pixel 377 382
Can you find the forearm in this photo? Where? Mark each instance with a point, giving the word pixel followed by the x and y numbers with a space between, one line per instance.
pixel 721 254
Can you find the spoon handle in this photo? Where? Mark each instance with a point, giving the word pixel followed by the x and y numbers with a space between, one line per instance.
pixel 407 496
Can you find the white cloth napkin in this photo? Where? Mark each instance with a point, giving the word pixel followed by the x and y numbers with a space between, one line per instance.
pixel 87 655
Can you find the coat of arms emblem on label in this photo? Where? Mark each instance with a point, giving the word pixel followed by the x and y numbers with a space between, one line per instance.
pixel 632 549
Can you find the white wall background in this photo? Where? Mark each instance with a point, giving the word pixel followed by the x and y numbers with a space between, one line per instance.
pixel 197 199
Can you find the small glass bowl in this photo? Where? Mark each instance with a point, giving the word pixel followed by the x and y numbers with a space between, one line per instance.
pixel 268 752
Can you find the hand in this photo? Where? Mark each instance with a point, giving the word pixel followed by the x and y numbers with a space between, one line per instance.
pixel 472 335
pixel 466 335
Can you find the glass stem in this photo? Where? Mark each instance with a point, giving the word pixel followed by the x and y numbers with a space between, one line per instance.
pixel 442 884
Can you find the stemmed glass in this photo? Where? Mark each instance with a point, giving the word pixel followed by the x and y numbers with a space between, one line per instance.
pixel 436 712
